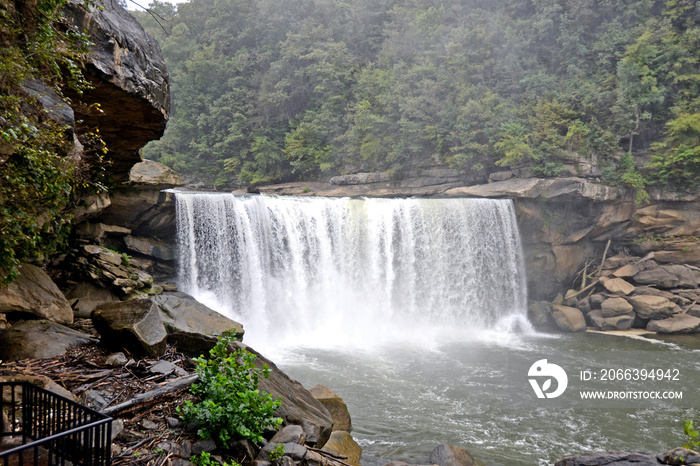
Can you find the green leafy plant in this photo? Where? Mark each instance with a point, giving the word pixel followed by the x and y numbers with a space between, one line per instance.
pixel 204 459
pixel 692 434
pixel 231 407
pixel 277 452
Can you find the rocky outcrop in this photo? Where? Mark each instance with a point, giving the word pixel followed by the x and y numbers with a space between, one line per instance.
pixel 335 406
pixel 39 339
pixel 192 326
pixel 130 82
pixel 450 455
pixel 133 325
pixel 35 294
pixel 677 456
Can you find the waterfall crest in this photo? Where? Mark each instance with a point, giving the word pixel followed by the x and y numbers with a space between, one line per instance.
pixel 347 269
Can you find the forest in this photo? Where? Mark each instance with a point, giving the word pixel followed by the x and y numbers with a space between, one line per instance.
pixel 279 90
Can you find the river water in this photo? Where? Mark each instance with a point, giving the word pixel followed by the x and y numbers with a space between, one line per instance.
pixel 414 312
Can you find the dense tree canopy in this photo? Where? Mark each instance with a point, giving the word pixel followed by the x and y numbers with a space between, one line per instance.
pixel 270 90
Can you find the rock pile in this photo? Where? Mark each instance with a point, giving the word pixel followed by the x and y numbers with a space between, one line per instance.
pixel 631 292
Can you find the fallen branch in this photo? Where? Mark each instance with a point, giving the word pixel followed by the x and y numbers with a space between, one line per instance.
pixel 605 253
pixel 591 285
pixel 142 398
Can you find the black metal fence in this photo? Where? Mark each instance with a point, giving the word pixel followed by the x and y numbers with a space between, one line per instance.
pixel 51 429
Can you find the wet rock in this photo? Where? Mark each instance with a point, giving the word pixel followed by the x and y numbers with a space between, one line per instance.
pixel 679 456
pixel 613 307
pixel 192 326
pixel 609 458
pixel 651 307
pixel 298 405
pixel 678 324
pixel 35 294
pixel 342 443
pixel 539 314
pixel 39 339
pixel 450 455
pixel 335 405
pixel 568 319
pixel 134 325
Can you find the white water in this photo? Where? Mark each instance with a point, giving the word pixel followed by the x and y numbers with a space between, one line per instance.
pixel 335 272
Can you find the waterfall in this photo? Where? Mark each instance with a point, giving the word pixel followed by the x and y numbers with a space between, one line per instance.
pixel 345 269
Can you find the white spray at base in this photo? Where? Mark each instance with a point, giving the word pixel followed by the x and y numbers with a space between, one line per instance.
pixel 337 271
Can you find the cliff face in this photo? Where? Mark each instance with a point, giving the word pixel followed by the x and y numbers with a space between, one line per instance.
pixel 130 82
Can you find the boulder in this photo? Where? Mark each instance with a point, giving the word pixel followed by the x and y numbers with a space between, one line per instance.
pixel 617 286
pixel 154 175
pixel 292 450
pixel 613 307
pixel 681 323
pixel 289 434
pixel 85 297
pixel 341 443
pixel 539 314
pixel 584 305
pixel 658 277
pixel 298 405
pixel 133 325
pixel 34 293
pixel 450 455
pixel 335 405
pixel 686 276
pixel 651 307
pixel 150 247
pixel 568 319
pixel 35 339
pixel 192 326
pixel 648 290
pixel 621 322
pixel 679 456
pixel 96 232
pixel 596 300
pixel 143 211
pixel 609 458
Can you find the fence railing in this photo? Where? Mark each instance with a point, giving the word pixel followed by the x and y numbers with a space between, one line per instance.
pixel 53 430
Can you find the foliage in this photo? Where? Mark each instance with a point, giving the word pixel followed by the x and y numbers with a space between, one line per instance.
pixel 37 179
pixel 277 452
pixel 231 407
pixel 205 459
pixel 692 434
pixel 268 92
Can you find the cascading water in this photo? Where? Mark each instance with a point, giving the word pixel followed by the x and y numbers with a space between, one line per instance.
pixel 340 270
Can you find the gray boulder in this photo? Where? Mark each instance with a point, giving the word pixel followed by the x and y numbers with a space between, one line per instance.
pixel 539 314
pixel 622 322
pixel 450 455
pixel 613 307
pixel 133 325
pixel 680 323
pixel 658 277
pixel 609 458
pixel 568 319
pixel 617 286
pixel 154 175
pixel 335 405
pixel 192 326
pixel 652 307
pixel 298 405
pixel 85 297
pixel 679 456
pixel 289 434
pixel 34 293
pixel 35 339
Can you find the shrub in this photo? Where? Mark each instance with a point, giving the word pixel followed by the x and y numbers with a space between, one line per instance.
pixel 231 407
